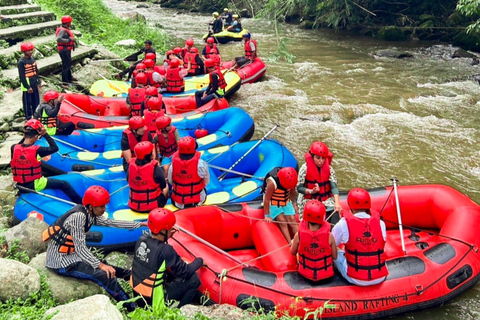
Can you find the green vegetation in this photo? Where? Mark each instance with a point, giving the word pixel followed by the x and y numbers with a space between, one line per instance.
pixel 99 25
pixel 470 8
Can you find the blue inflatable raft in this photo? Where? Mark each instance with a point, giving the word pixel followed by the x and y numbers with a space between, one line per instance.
pixel 233 188
pixel 92 149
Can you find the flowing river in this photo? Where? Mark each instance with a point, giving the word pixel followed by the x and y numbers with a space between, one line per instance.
pixel 407 118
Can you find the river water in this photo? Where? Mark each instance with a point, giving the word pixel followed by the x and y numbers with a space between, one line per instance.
pixel 381 117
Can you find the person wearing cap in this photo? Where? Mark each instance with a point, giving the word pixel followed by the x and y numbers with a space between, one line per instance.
pixel 47 113
pixel 134 57
pixel 236 25
pixel 29 82
pixel 136 132
pixel 148 187
pixel 159 274
pixel 188 175
pixel 27 166
pixel 166 140
pixel 364 235
pixel 250 51
pixel 194 62
pixel 68 254
pixel 216 86
pixel 279 199
pixel 210 49
pixel 226 17
pixel 314 244
pixel 65 45
pixel 216 25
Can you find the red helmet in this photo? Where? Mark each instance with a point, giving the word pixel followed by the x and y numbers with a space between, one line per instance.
pixel 319 148
pixel 177 50
pixel 194 50
pixel 209 63
pixel 151 56
pixel 96 196
pixel 358 199
pixel 163 122
pixel 314 211
pixel 186 145
pixel 189 42
pixel 136 123
pixel 27 46
pixel 32 124
pixel 169 52
pixel 288 177
pixel 200 133
pixel 210 40
pixel 50 95
pixel 66 19
pixel 143 149
pixel 141 78
pixel 174 63
pixel 151 91
pixel 149 63
pixel 140 66
pixel 161 219
pixel 154 103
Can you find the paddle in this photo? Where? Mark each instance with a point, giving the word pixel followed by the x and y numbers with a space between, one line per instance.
pixel 45 195
pixel 112 84
pixel 248 151
pixel 71 145
pixel 233 171
pixel 106 60
pixel 399 214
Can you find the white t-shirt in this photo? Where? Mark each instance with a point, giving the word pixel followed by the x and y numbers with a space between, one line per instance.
pixel 340 231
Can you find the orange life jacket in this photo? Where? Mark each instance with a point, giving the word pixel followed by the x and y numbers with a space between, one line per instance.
pixel 31 70
pixel 132 141
pixel 222 84
pixel 211 51
pixel 68 45
pixel 317 176
pixel 193 62
pixel 144 191
pixel 280 196
pixel 364 249
pixel 150 118
pixel 136 97
pixel 315 252
pixel 25 165
pixel 48 122
pixel 248 50
pixel 187 184
pixel 166 149
pixel 175 83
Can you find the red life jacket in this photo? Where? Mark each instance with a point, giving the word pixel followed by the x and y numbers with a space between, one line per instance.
pixel 187 184
pixel 216 59
pixel 68 45
pixel 144 191
pixel 364 249
pixel 222 84
pixel 314 251
pixel 150 118
pixel 248 50
pixel 24 163
pixel 150 81
pixel 166 149
pixel 175 83
pixel 211 51
pixel 322 177
pixel 193 62
pixel 132 141
pixel 136 97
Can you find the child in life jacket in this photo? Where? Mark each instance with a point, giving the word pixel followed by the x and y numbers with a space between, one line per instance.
pixel 314 244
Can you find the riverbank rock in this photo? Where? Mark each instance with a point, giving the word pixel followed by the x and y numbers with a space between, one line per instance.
pixel 29 235
pixel 119 259
pixel 64 289
pixel 217 311
pixel 11 138
pixel 134 16
pixel 17 280
pixel 391 33
pixel 391 53
pixel 126 43
pixel 91 72
pixel 468 41
pixel 97 307
pixel 142 5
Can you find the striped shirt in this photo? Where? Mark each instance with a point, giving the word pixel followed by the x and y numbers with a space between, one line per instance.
pixel 75 225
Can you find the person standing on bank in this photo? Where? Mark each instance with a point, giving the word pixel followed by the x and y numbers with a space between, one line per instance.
pixel 317 180
pixel 65 45
pixel 47 113
pixel 68 254
pixel 29 82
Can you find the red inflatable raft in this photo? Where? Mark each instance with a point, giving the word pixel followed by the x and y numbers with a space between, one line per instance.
pixel 249 73
pixel 442 260
pixel 95 112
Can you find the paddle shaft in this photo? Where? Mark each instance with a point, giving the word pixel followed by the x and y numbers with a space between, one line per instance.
pixel 46 195
pixel 236 172
pixel 399 214
pixel 106 60
pixel 71 145
pixel 208 244
pixel 246 153
pixel 112 84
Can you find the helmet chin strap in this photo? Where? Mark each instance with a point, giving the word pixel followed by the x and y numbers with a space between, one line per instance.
pixel 165 235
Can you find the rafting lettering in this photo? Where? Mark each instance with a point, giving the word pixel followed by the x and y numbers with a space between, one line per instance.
pixel 384 302
pixel 345 306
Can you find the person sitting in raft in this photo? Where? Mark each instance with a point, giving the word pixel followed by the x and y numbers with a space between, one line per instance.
pixel 140 68
pixel 250 51
pixel 175 77
pixel 216 25
pixel 148 188
pixel 166 140
pixel 136 132
pixel 133 57
pixel 317 180
pixel 188 46
pixel 278 200
pixel 47 113
pixel 154 258
pixel 210 49
pixel 226 17
pixel 364 235
pixel 154 78
pixel 194 63
pixel 236 24
pixel 314 244
pixel 216 86
pixel 188 175
pixel 69 256
pixel 136 96
pixel 178 54
pixel 27 166
pixel 153 112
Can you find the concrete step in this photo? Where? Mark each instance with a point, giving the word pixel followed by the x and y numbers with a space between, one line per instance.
pixel 50 64
pixel 22 8
pixel 22 19
pixel 14 2
pixel 27 31
pixel 10 55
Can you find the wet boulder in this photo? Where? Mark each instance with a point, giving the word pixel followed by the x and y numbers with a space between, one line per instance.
pixel 29 236
pixel 392 53
pixel 97 307
pixel 17 280
pixel 217 311
pixel 126 43
pixel 119 259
